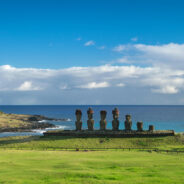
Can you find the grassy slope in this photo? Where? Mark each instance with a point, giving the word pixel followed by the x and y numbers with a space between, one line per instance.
pixel 108 167
pixel 36 142
pixel 12 120
pixel 21 122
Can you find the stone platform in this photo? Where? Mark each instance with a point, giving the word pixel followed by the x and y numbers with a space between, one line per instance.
pixel 109 133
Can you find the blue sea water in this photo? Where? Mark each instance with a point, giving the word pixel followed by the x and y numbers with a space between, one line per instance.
pixel 162 117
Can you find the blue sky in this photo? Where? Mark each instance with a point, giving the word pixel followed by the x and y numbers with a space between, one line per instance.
pixel 43 33
pixel 61 42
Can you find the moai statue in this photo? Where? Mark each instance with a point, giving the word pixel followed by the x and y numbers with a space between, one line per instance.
pixel 78 122
pixel 140 126
pixel 128 123
pixel 151 128
pixel 115 121
pixel 90 121
pixel 103 122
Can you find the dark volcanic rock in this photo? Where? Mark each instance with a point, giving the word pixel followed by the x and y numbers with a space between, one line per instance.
pixel 33 118
pixel 40 118
pixel 109 133
pixel 28 127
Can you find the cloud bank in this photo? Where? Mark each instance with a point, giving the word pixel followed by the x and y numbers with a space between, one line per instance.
pixel 35 83
pixel 153 74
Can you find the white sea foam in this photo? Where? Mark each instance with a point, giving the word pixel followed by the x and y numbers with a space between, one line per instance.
pixel 65 120
pixel 41 131
pixel 57 127
pixel 42 121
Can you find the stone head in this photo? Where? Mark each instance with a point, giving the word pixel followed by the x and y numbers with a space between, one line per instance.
pixel 128 117
pixel 103 114
pixel 115 113
pixel 90 113
pixel 78 114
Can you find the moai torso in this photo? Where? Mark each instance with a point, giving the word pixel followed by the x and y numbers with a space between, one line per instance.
pixel 151 128
pixel 128 123
pixel 140 126
pixel 78 122
pixel 103 122
pixel 90 121
pixel 115 122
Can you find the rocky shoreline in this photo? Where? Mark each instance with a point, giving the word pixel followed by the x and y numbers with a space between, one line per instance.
pixel 25 123
pixel 41 118
pixel 28 128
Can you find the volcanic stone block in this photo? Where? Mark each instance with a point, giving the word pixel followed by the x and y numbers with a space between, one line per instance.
pixel 151 128
pixel 78 122
pixel 109 133
pixel 128 123
pixel 115 122
pixel 140 126
pixel 103 122
pixel 90 121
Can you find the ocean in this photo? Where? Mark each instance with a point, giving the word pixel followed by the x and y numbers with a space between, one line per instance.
pixel 168 117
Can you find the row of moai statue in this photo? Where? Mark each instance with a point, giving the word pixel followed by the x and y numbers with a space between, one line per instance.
pixel 103 122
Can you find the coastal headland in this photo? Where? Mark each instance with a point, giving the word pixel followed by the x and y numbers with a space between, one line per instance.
pixel 22 122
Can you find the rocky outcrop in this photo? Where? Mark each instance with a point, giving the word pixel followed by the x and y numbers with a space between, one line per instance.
pixel 21 122
pixel 27 128
pixel 40 118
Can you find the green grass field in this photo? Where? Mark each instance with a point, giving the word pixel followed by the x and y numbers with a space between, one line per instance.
pixel 37 163
pixel 36 142
pixel 92 167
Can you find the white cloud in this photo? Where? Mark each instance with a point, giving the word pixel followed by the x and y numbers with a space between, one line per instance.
pixel 7 67
pixel 123 60
pixel 167 50
pixel 165 82
pixel 30 79
pixel 102 47
pixel 120 85
pixel 89 43
pixel 169 55
pixel 134 39
pixel 163 53
pixel 166 90
pixel 27 86
pixel 93 85
pixel 153 71
pixel 72 83
pixel 119 48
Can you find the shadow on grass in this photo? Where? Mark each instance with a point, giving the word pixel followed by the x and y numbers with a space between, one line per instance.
pixel 25 139
pixel 15 140
pixel 135 142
